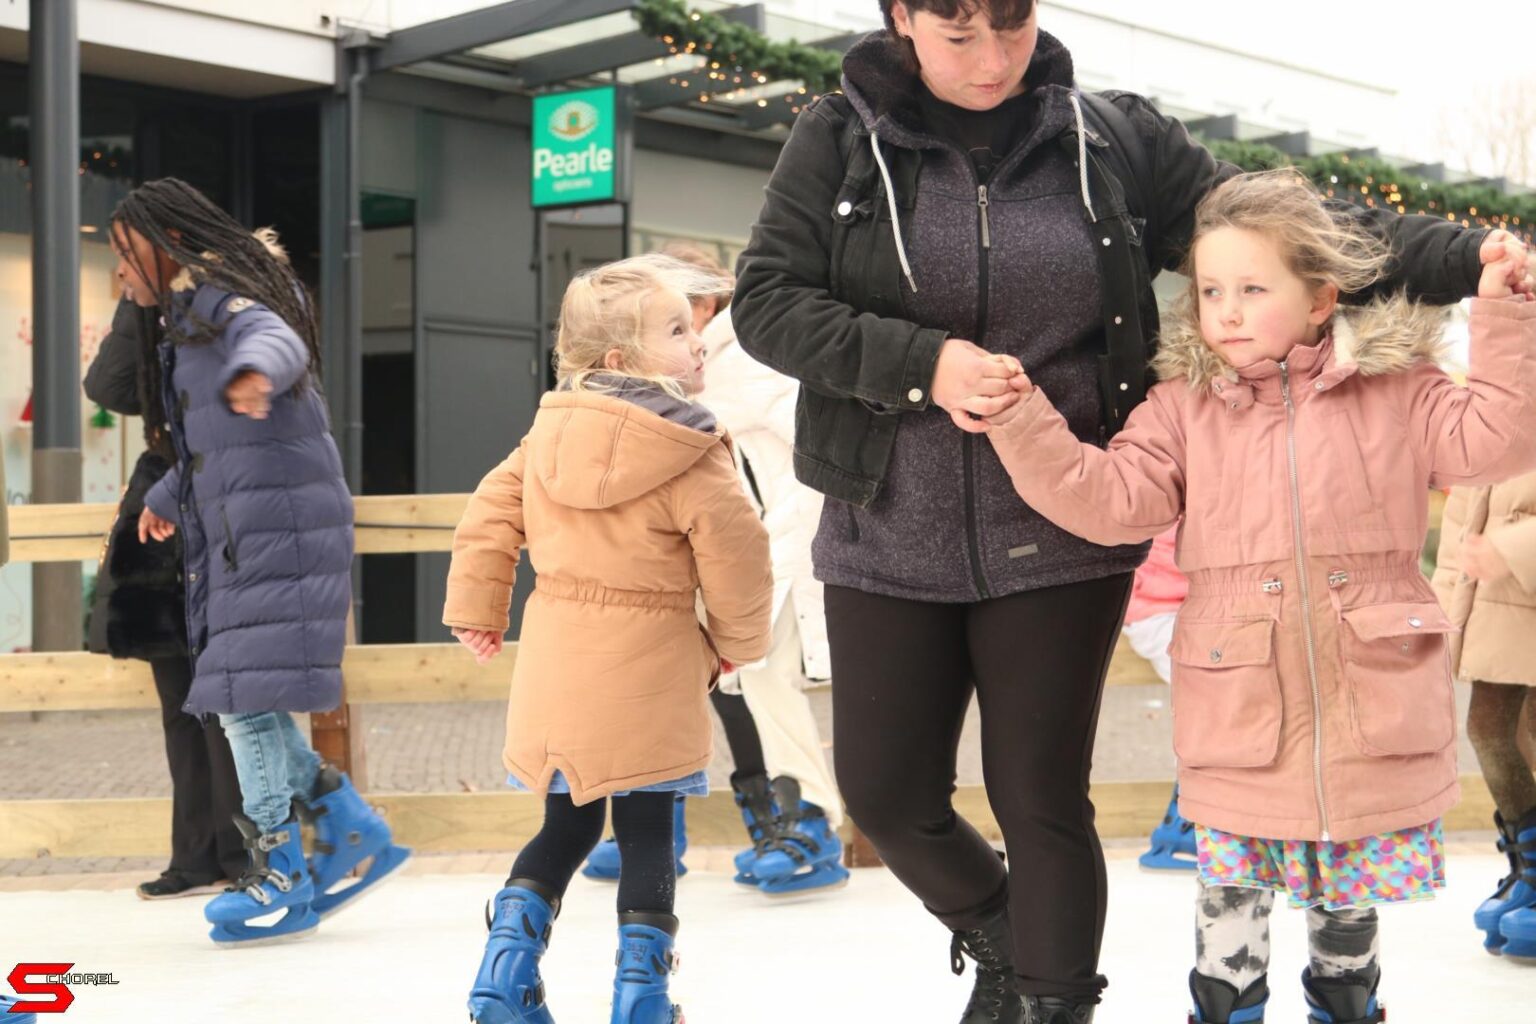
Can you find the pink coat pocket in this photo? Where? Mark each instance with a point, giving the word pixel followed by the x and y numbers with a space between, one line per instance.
pixel 1397 670
pixel 1226 694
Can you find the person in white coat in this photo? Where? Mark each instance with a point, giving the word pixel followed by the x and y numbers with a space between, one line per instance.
pixel 800 849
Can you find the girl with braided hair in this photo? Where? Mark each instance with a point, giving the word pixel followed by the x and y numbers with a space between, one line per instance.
pixel 266 523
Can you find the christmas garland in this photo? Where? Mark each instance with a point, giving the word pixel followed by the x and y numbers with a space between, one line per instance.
pixel 737 55
pixel 738 50
pixel 1375 183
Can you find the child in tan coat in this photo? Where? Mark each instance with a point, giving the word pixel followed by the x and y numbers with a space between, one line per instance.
pixel 625 494
pixel 1486 579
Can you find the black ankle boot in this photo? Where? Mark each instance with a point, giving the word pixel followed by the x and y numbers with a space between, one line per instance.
pixel 994 997
pixel 1055 1010
pixel 1219 1002
pixel 1347 1000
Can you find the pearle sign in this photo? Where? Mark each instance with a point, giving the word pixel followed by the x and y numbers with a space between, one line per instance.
pixel 575 155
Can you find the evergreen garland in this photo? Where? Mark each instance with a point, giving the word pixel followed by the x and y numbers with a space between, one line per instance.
pixel 738 49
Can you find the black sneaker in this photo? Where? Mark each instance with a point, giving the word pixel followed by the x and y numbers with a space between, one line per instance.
pixel 173 885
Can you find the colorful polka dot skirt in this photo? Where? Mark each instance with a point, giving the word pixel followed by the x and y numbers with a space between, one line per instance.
pixel 1396 867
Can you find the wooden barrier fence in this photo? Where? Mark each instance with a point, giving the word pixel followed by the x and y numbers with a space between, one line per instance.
pixel 394 674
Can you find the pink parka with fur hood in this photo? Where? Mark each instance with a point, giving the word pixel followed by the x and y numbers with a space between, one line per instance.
pixel 1312 695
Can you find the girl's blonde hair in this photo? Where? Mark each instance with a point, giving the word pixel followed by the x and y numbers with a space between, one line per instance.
pixel 697 255
pixel 1284 207
pixel 604 311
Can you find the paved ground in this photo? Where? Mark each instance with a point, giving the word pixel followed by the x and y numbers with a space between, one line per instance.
pixel 866 953
pixel 445 748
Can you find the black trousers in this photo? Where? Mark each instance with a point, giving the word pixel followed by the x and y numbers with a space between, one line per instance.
pixel 205 792
pixel 905 672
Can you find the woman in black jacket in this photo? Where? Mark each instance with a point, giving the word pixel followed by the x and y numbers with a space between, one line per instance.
pixel 140 612
pixel 960 211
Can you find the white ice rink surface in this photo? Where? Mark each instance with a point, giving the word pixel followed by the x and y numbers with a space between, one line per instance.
pixel 867 953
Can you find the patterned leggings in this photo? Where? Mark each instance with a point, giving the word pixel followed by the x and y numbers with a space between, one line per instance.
pixel 1232 936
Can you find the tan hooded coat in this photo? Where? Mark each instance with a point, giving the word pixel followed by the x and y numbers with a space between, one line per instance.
pixel 627 516
pixel 1497 643
pixel 1312 696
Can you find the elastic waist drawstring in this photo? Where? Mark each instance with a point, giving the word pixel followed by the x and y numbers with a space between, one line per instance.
pixel 890 195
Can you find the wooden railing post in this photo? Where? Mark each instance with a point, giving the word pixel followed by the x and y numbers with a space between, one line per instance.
pixel 337 735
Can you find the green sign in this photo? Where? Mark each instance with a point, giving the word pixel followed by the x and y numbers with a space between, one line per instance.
pixel 577 148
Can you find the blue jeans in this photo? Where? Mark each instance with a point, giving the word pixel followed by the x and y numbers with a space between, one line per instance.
pixel 274 762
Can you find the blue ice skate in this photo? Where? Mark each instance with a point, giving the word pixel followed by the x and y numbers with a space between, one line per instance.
pixel 1219 1002
pixel 277 880
pixel 1349 1000
pixel 1173 842
pixel 508 988
pixel 759 813
pixel 347 832
pixel 10 1016
pixel 604 862
pixel 642 969
pixel 1517 890
pixel 805 854
pixel 1517 925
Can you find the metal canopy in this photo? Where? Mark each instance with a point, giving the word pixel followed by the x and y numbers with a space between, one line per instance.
pixel 462 49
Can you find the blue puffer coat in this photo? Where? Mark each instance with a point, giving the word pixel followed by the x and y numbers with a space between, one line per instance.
pixel 265 516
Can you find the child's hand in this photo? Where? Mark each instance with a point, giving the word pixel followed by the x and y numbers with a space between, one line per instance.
pixel 151 525
pixel 1021 385
pixel 1482 561
pixel 483 643
pixel 726 668
pixel 1515 264
pixel 250 394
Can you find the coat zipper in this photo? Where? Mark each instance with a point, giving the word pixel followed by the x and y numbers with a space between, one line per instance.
pixel 973 541
pixel 1306 599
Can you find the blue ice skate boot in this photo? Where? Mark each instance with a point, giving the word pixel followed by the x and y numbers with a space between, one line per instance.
pixel 1347 1000
pixel 1516 891
pixel 805 854
pixel 1219 1002
pixel 508 988
pixel 276 880
pixel 10 1016
pixel 1517 925
pixel 754 797
pixel 1173 842
pixel 347 832
pixel 604 862
pixel 644 965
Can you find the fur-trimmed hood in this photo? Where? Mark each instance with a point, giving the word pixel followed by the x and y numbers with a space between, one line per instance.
pixel 1381 337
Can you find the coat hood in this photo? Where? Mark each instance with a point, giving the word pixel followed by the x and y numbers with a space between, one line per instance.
pixel 882 85
pixel 1381 337
pixel 595 450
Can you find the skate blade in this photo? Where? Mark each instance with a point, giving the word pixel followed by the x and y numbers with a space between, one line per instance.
pixel 805 885
pixel 385 864
pixel 234 936
pixel 1164 858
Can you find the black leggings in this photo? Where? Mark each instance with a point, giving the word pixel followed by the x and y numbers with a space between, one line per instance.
pixel 205 792
pixel 740 733
pixel 643 824
pixel 1036 662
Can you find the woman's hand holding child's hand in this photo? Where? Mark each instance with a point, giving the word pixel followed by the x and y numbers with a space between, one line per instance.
pixel 970 382
pixel 1482 561
pixel 1508 267
pixel 250 394
pixel 484 643
pixel 151 525
pixel 1022 386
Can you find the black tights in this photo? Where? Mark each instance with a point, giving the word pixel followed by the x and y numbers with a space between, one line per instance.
pixel 1499 713
pixel 906 671
pixel 740 733
pixel 643 824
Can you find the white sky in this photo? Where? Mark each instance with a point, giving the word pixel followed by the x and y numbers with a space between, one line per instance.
pixel 1439 58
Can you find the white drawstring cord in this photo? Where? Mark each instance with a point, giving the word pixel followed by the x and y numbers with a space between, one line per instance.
pixel 1082 154
pixel 890 195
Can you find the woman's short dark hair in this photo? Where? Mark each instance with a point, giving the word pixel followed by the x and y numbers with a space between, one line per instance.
pixel 1003 14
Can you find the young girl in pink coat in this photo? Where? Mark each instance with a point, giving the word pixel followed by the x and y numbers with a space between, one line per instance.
pixel 1314 719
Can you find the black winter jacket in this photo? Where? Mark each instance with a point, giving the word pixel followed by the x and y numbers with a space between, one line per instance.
pixel 1040 261
pixel 139 610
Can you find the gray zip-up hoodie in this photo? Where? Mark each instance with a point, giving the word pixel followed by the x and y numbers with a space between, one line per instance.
pixel 1009 264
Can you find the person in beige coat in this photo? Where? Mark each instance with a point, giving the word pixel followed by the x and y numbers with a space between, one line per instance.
pixel 625 494
pixel 1485 577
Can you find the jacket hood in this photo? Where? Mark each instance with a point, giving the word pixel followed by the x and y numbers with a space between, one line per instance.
pixel 595 450
pixel 1381 337
pixel 880 84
